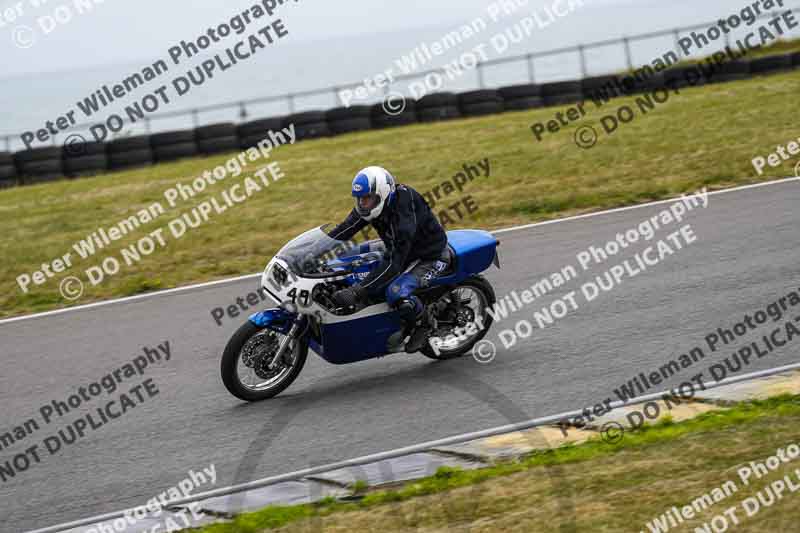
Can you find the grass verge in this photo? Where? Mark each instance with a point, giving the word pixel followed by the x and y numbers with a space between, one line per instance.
pixel 601 487
pixel 704 136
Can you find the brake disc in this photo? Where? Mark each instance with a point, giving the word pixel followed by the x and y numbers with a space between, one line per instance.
pixel 258 352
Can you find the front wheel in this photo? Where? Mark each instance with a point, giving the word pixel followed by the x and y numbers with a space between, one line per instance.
pixel 465 304
pixel 249 370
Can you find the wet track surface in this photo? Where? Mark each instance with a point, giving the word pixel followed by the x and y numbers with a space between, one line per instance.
pixel 746 256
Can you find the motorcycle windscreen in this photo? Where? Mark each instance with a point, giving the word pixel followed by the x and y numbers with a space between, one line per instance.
pixel 364 338
pixel 311 252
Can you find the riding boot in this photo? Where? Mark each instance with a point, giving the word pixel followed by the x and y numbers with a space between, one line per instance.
pixel 420 331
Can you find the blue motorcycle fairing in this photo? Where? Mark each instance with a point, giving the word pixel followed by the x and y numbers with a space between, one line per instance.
pixel 280 320
pixel 276 319
pixel 359 339
pixel 359 273
pixel 474 251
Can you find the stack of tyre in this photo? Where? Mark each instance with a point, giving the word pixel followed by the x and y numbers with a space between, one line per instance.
pixel 128 152
pixel 349 119
pixel 8 172
pixel 394 111
pixel 437 106
pixel 685 76
pixel 173 145
pixel 731 71
pixel 562 92
pixel 39 164
pixel 771 64
pixel 84 158
pixel 253 132
pixel 482 102
pixel 217 138
pixel 519 97
pixel 601 88
pixel 309 125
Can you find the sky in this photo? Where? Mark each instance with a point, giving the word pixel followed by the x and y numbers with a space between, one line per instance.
pixel 330 44
pixel 117 32
pixel 124 31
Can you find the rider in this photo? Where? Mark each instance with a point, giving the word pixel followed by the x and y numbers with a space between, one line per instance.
pixel 416 248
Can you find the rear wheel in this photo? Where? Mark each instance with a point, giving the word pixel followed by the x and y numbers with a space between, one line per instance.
pixel 249 370
pixel 465 304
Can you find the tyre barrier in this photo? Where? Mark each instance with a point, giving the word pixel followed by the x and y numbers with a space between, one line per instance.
pixel 483 102
pixel 215 131
pixel 168 138
pixel 48 163
pixel 445 99
pixel 217 138
pixel 438 106
pixel 173 145
pixel 174 152
pixel 520 104
pixel 387 118
pixel 218 145
pixel 253 132
pixel 771 64
pixel 8 172
pixel 308 125
pixel 37 171
pixel 350 125
pixel 39 165
pixel 345 113
pixel 132 158
pixel 433 114
pixel 85 166
pixel 37 154
pixel 732 71
pixel 82 149
pixel 520 97
pixel 84 159
pixel 562 92
pixel 681 77
pixel 349 119
pixel 128 144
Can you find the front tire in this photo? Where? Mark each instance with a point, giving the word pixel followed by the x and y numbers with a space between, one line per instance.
pixel 247 340
pixel 482 289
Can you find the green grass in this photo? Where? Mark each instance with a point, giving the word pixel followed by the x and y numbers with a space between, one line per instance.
pixel 705 136
pixel 605 487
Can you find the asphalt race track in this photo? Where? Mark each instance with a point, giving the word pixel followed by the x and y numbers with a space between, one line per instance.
pixel 747 254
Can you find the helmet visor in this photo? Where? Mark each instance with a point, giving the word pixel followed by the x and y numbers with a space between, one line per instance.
pixel 366 203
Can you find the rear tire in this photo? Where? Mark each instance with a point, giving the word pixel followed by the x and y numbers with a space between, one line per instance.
pixel 230 362
pixel 479 284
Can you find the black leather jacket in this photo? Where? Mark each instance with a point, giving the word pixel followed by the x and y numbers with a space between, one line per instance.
pixel 407 227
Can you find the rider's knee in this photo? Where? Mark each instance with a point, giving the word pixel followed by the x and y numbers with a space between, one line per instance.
pixel 401 288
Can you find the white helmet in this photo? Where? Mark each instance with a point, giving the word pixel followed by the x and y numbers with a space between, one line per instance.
pixel 373 188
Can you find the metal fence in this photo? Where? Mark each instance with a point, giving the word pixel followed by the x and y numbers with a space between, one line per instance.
pixel 529 60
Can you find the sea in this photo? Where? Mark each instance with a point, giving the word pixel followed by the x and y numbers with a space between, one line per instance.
pixel 294 65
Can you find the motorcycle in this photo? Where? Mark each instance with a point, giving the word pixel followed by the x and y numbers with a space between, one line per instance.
pixel 267 353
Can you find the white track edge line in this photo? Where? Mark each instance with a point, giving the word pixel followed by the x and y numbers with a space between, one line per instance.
pixel 499 231
pixel 415 448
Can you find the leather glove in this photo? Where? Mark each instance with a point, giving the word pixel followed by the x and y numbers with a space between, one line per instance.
pixel 349 297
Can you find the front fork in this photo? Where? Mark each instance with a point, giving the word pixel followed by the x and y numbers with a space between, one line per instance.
pixel 285 348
